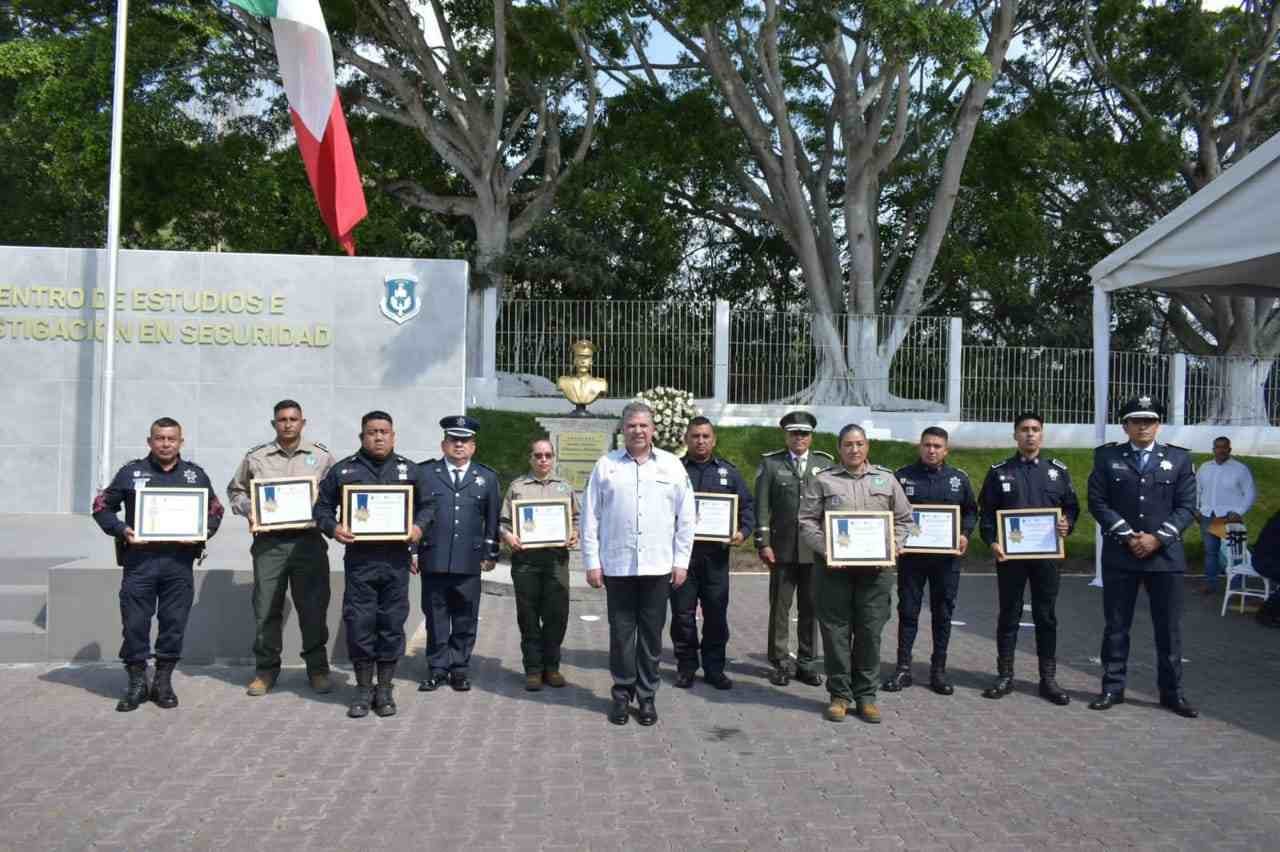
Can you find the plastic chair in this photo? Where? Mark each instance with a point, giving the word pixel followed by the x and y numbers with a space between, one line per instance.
pixel 1239 563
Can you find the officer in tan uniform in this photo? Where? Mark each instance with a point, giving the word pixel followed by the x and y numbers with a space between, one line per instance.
pixel 540 575
pixel 296 560
pixel 853 602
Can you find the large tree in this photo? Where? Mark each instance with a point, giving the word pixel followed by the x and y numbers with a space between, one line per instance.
pixel 1197 90
pixel 827 100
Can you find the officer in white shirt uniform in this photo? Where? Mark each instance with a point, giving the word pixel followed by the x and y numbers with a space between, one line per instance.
pixel 638 517
pixel 1224 489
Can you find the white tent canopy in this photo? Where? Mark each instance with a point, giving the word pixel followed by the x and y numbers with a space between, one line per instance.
pixel 1224 238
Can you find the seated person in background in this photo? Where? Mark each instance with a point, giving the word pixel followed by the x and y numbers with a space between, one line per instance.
pixel 1266 561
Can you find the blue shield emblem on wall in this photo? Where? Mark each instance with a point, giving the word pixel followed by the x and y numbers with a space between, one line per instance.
pixel 401 300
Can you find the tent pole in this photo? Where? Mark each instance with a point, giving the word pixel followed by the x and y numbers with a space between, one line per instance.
pixel 1101 403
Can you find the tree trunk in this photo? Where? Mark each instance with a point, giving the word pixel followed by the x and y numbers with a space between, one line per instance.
pixel 492 229
pixel 1239 397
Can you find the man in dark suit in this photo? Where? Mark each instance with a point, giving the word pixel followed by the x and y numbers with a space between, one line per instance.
pixel 464 543
pixel 1143 495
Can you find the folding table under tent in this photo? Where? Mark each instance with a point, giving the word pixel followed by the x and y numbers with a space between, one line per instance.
pixel 1224 239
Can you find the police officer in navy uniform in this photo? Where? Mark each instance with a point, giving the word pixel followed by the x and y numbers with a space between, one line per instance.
pixel 708 578
pixel 157 576
pixel 463 544
pixel 931 481
pixel 1143 495
pixel 1027 481
pixel 375 600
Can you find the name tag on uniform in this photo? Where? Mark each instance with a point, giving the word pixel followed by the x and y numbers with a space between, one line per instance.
pixel 910 489
pixel 1006 487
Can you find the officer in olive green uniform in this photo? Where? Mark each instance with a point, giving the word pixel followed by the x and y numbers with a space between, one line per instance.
pixel 540 575
pixel 853 602
pixel 789 560
pixel 296 560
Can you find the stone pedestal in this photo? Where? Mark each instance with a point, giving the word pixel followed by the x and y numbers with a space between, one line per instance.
pixel 579 441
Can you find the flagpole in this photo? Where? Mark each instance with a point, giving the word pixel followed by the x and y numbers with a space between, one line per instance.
pixel 113 245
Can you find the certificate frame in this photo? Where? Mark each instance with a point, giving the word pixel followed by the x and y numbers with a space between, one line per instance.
pixel 715 497
pixel 829 524
pixel 199 529
pixel 1004 516
pixel 259 489
pixel 518 527
pixel 351 492
pixel 938 509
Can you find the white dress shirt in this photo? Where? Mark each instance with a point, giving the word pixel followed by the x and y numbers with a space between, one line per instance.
pixel 637 519
pixel 1224 488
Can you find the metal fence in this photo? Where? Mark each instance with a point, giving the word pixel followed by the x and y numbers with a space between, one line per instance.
pixel 639 345
pixel 1254 386
pixel 998 382
pixel 773 356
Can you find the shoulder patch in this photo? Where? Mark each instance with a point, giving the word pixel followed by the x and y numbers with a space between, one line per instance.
pixel 320 446
pixel 1058 464
pixel 825 455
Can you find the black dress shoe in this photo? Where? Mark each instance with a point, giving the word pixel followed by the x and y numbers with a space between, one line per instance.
pixel 434 681
pixel 647 714
pixel 809 678
pixel 901 680
pixel 684 680
pixel 938 683
pixel 1181 706
pixel 779 677
pixel 618 712
pixel 459 682
pixel 719 680
pixel 1107 700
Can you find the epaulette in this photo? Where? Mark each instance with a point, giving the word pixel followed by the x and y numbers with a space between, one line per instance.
pixel 1058 464
pixel 774 453
pixel 1105 446
pixel 484 466
pixel 320 446
pixel 723 462
pixel 887 470
pixel 823 454
pixel 998 464
pixel 258 447
pixel 1177 447
pixel 350 458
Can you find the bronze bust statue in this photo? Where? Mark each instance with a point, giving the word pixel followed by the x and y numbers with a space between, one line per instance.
pixel 582 388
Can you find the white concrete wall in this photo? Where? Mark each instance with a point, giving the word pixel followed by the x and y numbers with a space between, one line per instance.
pixel 221 393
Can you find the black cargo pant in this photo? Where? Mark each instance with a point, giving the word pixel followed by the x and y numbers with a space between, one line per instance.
pixel 159 585
pixel 942 574
pixel 707 583
pixel 1012 578
pixel 375 604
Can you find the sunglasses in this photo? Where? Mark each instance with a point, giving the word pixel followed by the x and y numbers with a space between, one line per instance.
pixel 544 455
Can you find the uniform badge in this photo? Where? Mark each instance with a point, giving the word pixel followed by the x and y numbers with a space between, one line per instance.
pixel 1144 401
pixel 910 489
pixel 877 480
pixel 343 472
pixel 400 302
pixel 1053 474
pixel 190 476
pixel 1006 487
pixel 836 500
pixel 141 481
pixel 1165 464
pixel 955 483
pixel 562 487
pixel 724 482
pixel 724 471
pixel 479 480
pixel 403 476
pixel 311 460
pixel 137 473
pixel 402 467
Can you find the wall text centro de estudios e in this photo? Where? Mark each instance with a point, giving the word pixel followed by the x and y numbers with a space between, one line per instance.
pixel 203 317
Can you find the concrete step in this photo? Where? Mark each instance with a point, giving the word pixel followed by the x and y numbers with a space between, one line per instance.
pixel 23 603
pixel 22 642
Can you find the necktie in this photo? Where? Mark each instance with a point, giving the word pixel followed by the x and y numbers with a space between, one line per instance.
pixel 800 467
pixel 1142 460
pixel 457 479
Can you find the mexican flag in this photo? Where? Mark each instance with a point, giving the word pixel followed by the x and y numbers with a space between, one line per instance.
pixel 306 69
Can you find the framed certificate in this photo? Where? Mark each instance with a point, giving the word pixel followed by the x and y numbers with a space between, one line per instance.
pixel 717 516
pixel 171 514
pixel 859 538
pixel 1029 533
pixel 934 529
pixel 282 503
pixel 542 523
pixel 378 512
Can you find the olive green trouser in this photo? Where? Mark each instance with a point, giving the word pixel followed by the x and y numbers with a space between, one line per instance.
pixel 297 562
pixel 853 605
pixel 541 582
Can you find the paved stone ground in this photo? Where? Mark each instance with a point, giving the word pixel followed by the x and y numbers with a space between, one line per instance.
pixel 756 767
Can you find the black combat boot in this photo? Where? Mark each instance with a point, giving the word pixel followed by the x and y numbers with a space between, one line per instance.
pixel 383 703
pixel 938 675
pixel 138 690
pixel 901 678
pixel 1049 689
pixel 363 695
pixel 162 689
pixel 1003 684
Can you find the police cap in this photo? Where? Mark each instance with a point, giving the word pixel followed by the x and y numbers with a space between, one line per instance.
pixel 1142 407
pixel 798 421
pixel 460 426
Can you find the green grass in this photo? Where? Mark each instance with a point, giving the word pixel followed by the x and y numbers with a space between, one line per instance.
pixel 505 436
